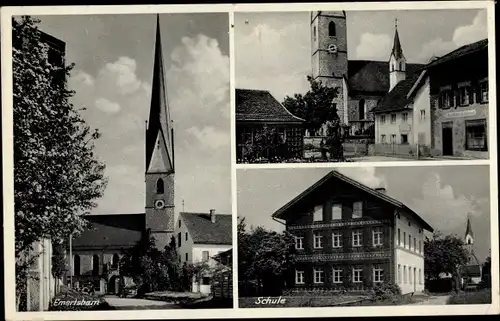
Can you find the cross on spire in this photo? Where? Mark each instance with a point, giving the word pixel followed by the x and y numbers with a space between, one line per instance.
pixel 396 23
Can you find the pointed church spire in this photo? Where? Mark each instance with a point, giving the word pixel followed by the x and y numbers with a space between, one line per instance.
pixel 160 124
pixel 468 230
pixel 397 51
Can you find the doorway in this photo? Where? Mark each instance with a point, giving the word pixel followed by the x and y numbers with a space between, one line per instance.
pixel 448 139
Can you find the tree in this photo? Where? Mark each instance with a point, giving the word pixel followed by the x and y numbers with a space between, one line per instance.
pixel 265 143
pixel 173 264
pixel 444 254
pixel 59 264
pixel 264 256
pixel 56 175
pixel 486 273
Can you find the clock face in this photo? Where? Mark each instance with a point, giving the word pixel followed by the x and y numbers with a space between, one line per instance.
pixel 159 204
pixel 332 48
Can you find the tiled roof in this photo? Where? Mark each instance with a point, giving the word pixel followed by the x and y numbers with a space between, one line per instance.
pixel 260 105
pixel 373 76
pixel 336 175
pixel 203 231
pixel 397 98
pixel 460 52
pixel 111 231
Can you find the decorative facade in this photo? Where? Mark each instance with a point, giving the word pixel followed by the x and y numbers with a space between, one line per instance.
pixel 351 237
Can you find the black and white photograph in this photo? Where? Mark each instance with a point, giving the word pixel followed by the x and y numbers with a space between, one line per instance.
pixel 323 237
pixel 122 162
pixel 361 86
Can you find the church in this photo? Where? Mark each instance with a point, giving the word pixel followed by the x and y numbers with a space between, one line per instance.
pixel 471 274
pixel 361 83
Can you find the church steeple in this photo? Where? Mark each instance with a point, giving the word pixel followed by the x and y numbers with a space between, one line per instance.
pixel 469 235
pixel 397 61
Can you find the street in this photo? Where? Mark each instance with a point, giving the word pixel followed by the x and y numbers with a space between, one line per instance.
pixel 117 303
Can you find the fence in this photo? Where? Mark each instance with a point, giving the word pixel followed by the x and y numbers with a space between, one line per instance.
pixel 222 286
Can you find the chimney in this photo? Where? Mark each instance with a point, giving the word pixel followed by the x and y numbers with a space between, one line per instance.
pixel 212 215
pixel 380 190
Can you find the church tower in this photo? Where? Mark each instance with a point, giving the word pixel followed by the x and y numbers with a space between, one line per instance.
pixel 469 237
pixel 397 62
pixel 329 54
pixel 160 171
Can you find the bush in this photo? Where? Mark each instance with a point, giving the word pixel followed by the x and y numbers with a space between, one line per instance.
pixel 387 291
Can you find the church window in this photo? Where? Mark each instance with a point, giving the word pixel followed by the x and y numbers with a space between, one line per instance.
pixel 115 260
pixel 187 257
pixel 362 109
pixel 186 236
pixel 160 186
pixel 401 66
pixel 332 32
pixel 95 265
pixel 314 33
pixel 76 265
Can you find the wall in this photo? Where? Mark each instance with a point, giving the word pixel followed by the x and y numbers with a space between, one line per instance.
pixel 409 257
pixel 186 245
pixel 370 103
pixel 389 128
pixel 422 126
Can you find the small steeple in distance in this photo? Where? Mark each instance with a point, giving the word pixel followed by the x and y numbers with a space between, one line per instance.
pixel 160 169
pixel 397 61
pixel 469 235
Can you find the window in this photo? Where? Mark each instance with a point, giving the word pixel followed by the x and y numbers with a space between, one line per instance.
pixel 377 236
pixel 205 280
pixel 357 274
pixel 160 188
pixel 314 33
pixel 378 273
pixel 393 118
pixel 419 276
pixel 319 276
pixel 336 239
pixel 179 239
pixel 187 257
pixel 204 256
pixel 382 139
pixel 483 91
pixel 179 223
pixel 336 275
pixel 361 109
pixel 464 95
pixel 405 117
pixel 95 265
pixel 115 260
pixel 446 99
pixel 332 32
pixel 404 239
pixel 382 119
pixel 409 274
pixel 299 242
pixel 399 273
pixel 409 223
pixel 476 135
pixel 299 277
pixel 415 244
pixel 399 236
pixel 186 238
pixel 357 210
pixel 393 139
pixel 76 265
pixel 409 241
pixel 357 236
pixel 422 114
pixel 318 213
pixel 318 240
pixel 420 246
pixel 336 212
pixel 404 139
pixel 404 274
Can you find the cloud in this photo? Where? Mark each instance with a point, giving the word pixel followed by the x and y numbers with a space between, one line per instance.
pixel 83 78
pixel 273 59
pixel 462 35
pixel 210 137
pixel 374 47
pixel 365 175
pixel 121 74
pixel 107 106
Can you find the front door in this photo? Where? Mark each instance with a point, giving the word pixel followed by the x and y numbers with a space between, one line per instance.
pixel 448 139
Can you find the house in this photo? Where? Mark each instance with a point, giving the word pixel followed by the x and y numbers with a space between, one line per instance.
pixel 459 101
pixel 257 111
pixel 349 236
pixel 203 238
pixel 361 83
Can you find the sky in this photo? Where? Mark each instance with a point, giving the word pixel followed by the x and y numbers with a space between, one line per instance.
pixel 272 49
pixel 442 195
pixel 113 56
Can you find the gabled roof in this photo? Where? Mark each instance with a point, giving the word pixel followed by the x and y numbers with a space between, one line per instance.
pixel 336 175
pixel 460 52
pixel 369 76
pixel 397 98
pixel 203 231
pixel 261 106
pixel 111 231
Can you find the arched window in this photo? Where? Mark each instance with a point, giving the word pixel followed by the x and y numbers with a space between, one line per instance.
pixel 314 33
pixel 160 187
pixel 76 265
pixel 362 109
pixel 331 29
pixel 95 264
pixel 115 260
pixel 401 66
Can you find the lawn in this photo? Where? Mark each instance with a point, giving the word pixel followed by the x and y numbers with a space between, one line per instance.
pixel 475 297
pixel 301 301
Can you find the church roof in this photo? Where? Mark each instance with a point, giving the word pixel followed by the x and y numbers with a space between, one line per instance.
pixel 111 231
pixel 204 231
pixel 368 76
pixel 460 52
pixel 336 175
pixel 159 114
pixel 261 106
pixel 397 98
pixel 468 230
pixel 397 51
